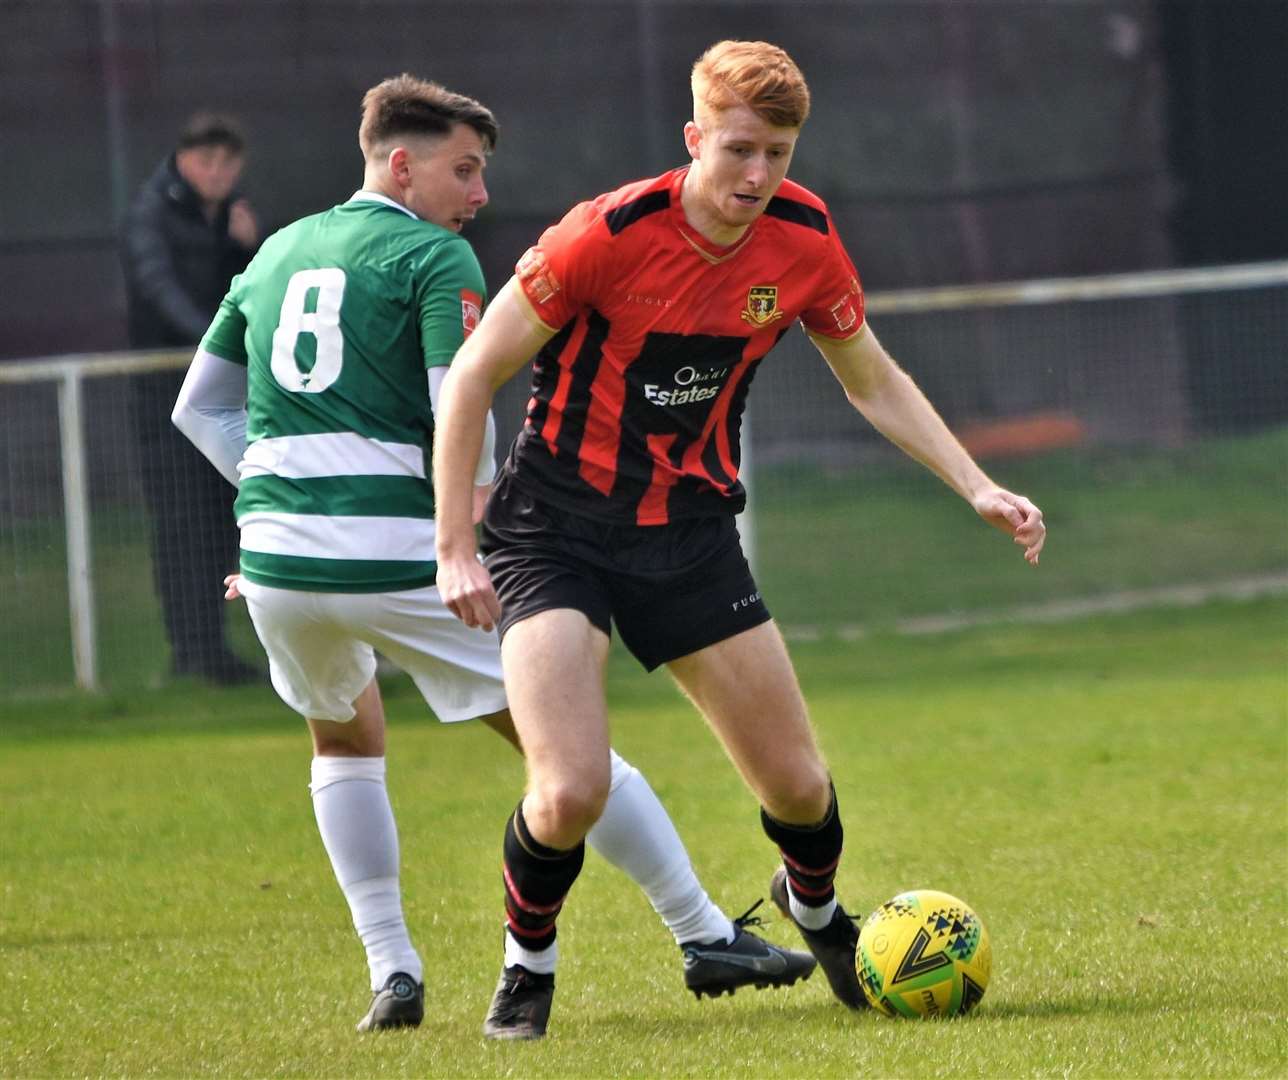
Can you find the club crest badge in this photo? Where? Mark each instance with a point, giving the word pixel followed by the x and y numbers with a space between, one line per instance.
pixel 471 310
pixel 762 305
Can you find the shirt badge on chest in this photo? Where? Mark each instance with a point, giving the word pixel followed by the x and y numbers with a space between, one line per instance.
pixel 762 305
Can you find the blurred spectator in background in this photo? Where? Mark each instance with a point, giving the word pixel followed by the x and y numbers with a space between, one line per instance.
pixel 188 232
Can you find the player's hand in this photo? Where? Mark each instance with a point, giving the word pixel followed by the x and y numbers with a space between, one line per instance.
pixel 242 225
pixel 1015 516
pixel 231 592
pixel 466 589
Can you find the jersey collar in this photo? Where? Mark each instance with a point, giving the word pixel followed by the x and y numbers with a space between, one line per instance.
pixel 713 253
pixel 362 195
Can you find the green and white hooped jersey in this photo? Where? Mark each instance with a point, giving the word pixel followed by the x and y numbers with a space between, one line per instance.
pixel 336 319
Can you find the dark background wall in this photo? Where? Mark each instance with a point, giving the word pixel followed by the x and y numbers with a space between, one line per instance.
pixel 956 141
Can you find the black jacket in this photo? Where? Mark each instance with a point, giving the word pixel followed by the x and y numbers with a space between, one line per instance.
pixel 177 264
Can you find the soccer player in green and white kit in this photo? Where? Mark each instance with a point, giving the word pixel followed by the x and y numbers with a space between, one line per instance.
pixel 309 393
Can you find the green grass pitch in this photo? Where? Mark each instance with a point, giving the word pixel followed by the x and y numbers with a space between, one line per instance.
pixel 898 541
pixel 1109 795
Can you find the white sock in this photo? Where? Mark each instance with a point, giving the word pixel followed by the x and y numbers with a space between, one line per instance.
pixel 635 834
pixel 357 826
pixel 812 918
pixel 541 962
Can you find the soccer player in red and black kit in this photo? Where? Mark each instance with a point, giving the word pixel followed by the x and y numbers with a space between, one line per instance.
pixel 648 310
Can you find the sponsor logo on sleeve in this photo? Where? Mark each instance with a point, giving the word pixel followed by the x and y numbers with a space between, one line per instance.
pixel 471 310
pixel 843 312
pixel 537 277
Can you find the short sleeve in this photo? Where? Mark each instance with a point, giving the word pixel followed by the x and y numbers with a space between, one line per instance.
pixel 561 273
pixel 226 335
pixel 835 309
pixel 450 294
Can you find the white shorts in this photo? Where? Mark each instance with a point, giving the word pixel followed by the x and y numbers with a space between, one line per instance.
pixel 321 650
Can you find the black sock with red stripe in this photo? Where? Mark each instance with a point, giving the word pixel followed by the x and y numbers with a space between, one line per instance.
pixel 537 878
pixel 810 854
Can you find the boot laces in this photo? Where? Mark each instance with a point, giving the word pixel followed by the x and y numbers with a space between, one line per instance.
pixel 748 919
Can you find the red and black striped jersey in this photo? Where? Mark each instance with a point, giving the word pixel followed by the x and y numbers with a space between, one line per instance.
pixel 637 400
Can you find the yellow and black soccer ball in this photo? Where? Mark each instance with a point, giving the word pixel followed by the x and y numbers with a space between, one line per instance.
pixel 924 954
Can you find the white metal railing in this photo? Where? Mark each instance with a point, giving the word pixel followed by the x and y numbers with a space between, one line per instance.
pixel 1063 290
pixel 1145 284
pixel 70 371
pixel 80 584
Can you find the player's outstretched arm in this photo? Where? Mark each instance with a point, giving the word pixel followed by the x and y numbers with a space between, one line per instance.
pixel 506 338
pixel 885 394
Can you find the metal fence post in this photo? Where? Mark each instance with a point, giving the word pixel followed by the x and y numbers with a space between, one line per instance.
pixel 80 590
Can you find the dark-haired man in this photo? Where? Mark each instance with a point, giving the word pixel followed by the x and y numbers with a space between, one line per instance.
pixel 187 233
pixel 648 310
pixel 309 392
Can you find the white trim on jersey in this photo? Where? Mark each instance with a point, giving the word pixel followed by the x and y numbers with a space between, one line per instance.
pixel 341 453
pixel 317 536
pixel 362 195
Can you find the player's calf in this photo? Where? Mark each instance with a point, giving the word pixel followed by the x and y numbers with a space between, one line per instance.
pixel 537 878
pixel 802 890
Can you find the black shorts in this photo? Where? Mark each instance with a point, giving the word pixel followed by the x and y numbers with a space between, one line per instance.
pixel 671 589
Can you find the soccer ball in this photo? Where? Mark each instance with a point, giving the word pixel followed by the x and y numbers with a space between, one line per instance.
pixel 924 954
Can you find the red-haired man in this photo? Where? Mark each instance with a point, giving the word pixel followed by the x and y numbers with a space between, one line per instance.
pixel 648 310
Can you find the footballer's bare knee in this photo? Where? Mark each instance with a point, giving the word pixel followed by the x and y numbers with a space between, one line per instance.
pixel 362 736
pixel 560 813
pixel 799 796
pixel 337 740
